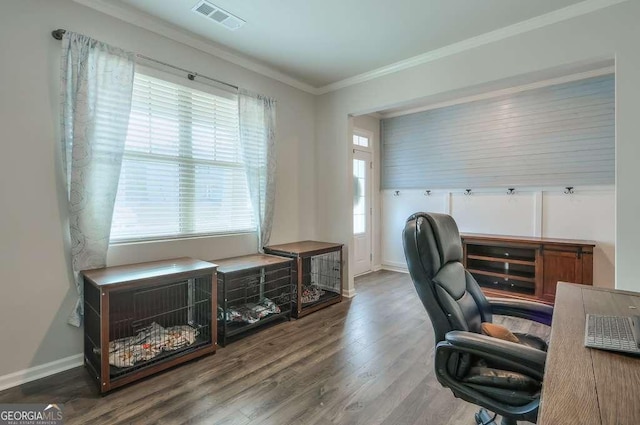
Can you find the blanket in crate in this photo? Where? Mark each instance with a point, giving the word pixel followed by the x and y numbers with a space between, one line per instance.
pixel 311 294
pixel 149 343
pixel 249 313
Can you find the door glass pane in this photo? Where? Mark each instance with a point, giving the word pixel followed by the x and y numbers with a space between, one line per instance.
pixel 359 193
pixel 360 141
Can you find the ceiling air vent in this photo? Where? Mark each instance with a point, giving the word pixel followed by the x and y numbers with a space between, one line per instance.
pixel 218 15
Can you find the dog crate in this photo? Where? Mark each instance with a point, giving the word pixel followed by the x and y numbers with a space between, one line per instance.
pixel 253 291
pixel 143 318
pixel 317 274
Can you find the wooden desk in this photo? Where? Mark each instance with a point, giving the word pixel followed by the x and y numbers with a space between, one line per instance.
pixel 585 386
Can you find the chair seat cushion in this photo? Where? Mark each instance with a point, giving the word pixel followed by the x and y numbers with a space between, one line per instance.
pixel 506 396
pixel 487 376
pixel 531 341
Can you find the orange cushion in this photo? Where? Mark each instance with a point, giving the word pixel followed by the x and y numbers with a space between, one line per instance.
pixel 497 331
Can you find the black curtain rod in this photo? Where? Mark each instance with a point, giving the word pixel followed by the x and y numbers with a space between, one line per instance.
pixel 57 34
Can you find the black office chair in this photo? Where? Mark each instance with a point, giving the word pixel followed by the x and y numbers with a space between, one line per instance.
pixel 503 377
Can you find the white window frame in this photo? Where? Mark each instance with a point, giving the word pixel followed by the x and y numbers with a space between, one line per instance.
pixel 362 133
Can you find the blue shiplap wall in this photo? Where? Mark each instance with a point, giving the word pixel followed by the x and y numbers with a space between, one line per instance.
pixel 561 135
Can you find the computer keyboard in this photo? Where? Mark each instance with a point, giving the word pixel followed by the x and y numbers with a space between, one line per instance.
pixel 613 333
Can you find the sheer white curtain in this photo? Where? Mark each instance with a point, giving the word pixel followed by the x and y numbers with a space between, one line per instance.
pixel 257 139
pixel 96 87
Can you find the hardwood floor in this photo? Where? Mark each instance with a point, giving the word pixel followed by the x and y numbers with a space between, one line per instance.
pixel 368 360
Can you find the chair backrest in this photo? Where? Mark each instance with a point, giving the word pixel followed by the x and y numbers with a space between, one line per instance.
pixel 451 296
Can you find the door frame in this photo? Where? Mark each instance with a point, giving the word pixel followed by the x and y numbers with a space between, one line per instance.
pixel 370 222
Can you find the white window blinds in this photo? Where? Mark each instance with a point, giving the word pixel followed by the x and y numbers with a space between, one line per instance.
pixel 182 172
pixel 561 135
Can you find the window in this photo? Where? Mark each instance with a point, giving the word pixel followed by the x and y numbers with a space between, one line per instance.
pixel 359 196
pixel 182 172
pixel 360 141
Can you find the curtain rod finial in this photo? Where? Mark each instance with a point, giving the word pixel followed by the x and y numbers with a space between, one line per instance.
pixel 57 34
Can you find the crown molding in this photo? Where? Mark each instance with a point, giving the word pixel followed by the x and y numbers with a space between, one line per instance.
pixel 510 90
pixel 163 28
pixel 158 26
pixel 550 18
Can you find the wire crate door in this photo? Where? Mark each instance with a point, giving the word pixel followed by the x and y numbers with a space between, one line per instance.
pixel 150 324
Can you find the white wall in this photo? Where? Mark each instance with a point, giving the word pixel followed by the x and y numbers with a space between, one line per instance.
pixel 605 34
pixel 36 289
pixel 588 214
pixel 395 211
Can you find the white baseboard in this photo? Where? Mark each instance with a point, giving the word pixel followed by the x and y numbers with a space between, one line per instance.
pixel 36 372
pixel 395 267
pixel 376 268
pixel 349 293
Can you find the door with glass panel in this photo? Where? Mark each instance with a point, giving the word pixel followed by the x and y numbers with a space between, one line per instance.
pixel 362 170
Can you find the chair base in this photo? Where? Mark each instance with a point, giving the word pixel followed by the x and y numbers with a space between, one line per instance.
pixel 483 417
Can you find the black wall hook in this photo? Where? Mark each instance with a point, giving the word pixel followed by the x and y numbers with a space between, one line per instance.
pixel 467 192
pixel 568 190
pixel 511 191
pixel 396 193
pixel 427 193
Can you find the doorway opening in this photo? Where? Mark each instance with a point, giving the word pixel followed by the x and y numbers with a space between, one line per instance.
pixel 362 202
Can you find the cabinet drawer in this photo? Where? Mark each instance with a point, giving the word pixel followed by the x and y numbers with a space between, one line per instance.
pixel 500 252
pixel 526 272
pixel 505 284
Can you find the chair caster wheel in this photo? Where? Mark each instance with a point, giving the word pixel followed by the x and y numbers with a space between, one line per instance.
pixel 483 417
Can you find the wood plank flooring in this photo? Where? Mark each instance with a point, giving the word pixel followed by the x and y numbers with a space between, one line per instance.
pixel 368 360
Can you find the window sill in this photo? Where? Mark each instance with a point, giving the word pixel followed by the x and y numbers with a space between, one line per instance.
pixel 203 247
pixel 180 238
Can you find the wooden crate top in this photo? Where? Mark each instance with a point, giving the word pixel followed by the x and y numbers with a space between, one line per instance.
pixel 140 272
pixel 245 262
pixel 304 248
pixel 526 239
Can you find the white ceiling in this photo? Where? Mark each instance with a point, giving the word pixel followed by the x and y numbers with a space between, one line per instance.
pixel 325 41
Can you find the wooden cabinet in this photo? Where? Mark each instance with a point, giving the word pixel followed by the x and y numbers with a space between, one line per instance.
pixel 527 267
pixel 565 263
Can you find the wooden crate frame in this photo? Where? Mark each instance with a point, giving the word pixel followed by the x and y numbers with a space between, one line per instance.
pixel 301 251
pixel 107 281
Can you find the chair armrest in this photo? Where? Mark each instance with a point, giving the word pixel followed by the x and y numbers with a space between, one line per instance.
pixel 537 312
pixel 512 355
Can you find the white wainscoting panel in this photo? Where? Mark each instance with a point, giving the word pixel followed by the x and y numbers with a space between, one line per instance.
pixel 395 211
pixel 585 215
pixel 588 213
pixel 495 213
